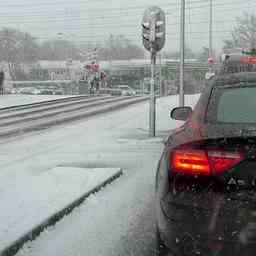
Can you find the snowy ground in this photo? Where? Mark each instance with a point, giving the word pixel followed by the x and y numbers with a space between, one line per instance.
pixel 118 220
pixel 20 99
pixel 34 199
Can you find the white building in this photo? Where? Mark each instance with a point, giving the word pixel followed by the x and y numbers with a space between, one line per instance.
pixel 61 70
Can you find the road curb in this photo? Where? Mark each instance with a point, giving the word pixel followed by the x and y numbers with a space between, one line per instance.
pixel 50 221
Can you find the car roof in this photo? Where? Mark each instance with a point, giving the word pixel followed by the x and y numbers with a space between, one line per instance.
pixel 235 63
pixel 234 79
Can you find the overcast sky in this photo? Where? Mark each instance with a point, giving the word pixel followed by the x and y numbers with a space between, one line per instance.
pixel 94 20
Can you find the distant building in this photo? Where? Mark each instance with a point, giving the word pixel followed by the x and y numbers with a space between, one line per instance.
pixel 136 73
pixel 58 70
pixel 141 63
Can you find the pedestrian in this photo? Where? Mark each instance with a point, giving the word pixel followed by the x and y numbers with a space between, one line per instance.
pixel 91 87
pixel 1 82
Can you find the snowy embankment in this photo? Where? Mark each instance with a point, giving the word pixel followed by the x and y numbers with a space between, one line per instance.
pixel 117 139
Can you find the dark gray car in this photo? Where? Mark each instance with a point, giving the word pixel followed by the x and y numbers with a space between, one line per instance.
pixel 206 177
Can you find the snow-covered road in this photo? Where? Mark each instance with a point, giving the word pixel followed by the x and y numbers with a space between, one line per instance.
pixel 119 219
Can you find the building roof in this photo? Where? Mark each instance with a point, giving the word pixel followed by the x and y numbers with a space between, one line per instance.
pixel 49 64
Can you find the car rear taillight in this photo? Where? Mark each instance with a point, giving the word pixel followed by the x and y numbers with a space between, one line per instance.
pixel 221 161
pixel 203 162
pixel 190 161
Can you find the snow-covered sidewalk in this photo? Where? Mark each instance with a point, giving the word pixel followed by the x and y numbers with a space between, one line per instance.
pixel 29 203
pixel 113 140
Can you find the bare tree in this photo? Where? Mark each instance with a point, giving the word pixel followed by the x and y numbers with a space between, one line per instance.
pixel 243 34
pixel 59 50
pixel 17 47
pixel 204 54
pixel 120 48
pixel 189 54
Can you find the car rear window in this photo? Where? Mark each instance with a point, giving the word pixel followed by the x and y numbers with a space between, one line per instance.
pixel 233 105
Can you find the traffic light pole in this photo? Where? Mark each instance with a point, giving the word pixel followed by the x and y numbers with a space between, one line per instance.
pixel 152 106
pixel 153 36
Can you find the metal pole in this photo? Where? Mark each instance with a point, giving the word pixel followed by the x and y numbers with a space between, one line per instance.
pixel 152 106
pixel 182 52
pixel 210 29
pixel 160 75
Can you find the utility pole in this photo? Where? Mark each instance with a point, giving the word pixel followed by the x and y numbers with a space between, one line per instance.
pixel 210 29
pixel 182 52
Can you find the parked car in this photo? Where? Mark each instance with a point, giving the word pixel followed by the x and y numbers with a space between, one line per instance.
pixel 126 90
pixel 28 90
pixel 58 92
pixel 36 91
pixel 14 91
pixel 115 92
pixel 47 91
pixel 206 177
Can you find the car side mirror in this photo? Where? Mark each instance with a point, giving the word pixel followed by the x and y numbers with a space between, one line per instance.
pixel 181 113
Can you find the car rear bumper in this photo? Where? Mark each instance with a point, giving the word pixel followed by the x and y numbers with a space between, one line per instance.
pixel 192 226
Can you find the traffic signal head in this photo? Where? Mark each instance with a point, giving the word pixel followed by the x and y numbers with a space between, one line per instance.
pixel 153 29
